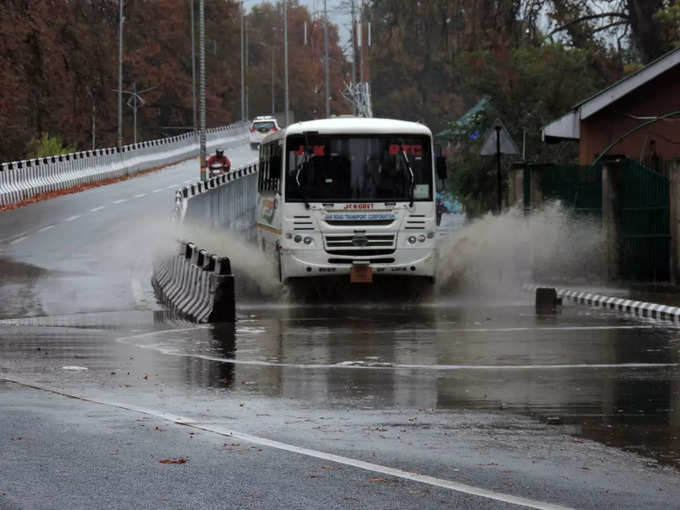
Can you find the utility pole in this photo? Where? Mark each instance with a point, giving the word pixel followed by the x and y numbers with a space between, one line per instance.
pixel 285 55
pixel 120 75
pixel 245 31
pixel 201 51
pixel 243 67
pixel 94 126
pixel 193 68
pixel 135 105
pixel 273 100
pixel 326 68
pixel 354 49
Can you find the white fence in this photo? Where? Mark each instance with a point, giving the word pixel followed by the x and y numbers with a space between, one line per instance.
pixel 224 203
pixel 20 180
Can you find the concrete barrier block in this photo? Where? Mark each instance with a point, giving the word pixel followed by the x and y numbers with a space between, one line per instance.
pixel 547 300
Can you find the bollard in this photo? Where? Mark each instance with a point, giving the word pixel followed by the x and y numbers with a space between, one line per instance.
pixel 222 288
pixel 547 300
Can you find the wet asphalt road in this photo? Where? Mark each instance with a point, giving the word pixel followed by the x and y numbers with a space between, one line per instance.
pixel 338 405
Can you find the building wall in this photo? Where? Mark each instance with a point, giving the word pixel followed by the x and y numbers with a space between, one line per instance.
pixel 660 96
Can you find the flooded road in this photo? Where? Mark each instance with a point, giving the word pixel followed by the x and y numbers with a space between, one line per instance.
pixel 609 378
pixel 442 389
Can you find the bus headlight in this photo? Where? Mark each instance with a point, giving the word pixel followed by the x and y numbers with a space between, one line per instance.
pixel 412 239
pixel 297 238
pixel 307 240
pixel 421 238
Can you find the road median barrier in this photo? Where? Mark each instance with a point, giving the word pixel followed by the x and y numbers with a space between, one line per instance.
pixel 196 285
pixel 630 306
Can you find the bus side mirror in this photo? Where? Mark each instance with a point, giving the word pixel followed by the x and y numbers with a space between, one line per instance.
pixel 441 168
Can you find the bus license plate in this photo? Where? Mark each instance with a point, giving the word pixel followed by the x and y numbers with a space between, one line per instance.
pixel 361 274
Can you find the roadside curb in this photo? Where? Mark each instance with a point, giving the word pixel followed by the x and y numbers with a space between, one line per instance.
pixel 637 308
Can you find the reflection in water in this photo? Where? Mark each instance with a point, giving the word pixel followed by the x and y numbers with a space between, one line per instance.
pixel 218 341
pixel 576 367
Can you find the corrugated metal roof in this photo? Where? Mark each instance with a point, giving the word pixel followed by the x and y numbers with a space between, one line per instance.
pixel 566 127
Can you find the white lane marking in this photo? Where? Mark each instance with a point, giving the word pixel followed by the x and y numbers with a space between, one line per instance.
pixel 97 208
pixel 140 195
pixel 173 186
pixel 370 365
pixel 12 237
pixel 72 218
pixel 157 190
pixel 120 201
pixel 508 330
pixel 188 181
pixel 308 452
pixel 48 227
pixel 19 240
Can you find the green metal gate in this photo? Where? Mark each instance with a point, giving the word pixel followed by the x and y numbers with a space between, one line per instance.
pixel 579 188
pixel 643 223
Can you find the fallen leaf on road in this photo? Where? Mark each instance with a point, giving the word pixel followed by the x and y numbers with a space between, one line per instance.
pixel 146 377
pixel 181 460
pixel 17 438
pixel 159 429
pixel 331 468
pixel 379 479
pixel 313 476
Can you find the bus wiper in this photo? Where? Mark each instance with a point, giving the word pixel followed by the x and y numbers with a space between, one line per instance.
pixel 304 163
pixel 413 177
pixel 300 166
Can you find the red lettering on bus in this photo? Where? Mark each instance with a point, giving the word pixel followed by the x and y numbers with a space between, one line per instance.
pixel 359 206
pixel 413 150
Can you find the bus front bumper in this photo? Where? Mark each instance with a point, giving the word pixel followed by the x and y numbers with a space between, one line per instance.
pixel 306 263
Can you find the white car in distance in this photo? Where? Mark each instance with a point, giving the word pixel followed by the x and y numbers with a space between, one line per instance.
pixel 260 128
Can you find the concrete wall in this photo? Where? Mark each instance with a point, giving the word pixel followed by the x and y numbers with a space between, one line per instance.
pixel 660 96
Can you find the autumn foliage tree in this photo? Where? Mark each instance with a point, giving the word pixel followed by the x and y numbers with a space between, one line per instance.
pixel 60 68
pixel 305 63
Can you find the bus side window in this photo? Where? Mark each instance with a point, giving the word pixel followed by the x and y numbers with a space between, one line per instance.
pixel 275 173
pixel 264 167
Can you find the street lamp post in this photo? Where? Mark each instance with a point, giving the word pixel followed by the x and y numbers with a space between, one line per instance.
pixel 201 51
pixel 285 56
pixel 193 69
pixel 121 20
pixel 243 67
pixel 326 68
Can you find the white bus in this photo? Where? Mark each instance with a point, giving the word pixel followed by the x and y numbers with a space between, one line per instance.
pixel 349 196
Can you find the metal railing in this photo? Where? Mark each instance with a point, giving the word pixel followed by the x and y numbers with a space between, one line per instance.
pixel 21 180
pixel 227 202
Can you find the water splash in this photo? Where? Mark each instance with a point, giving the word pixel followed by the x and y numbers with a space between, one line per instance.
pixel 497 254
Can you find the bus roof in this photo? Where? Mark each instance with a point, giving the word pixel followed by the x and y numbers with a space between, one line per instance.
pixel 353 125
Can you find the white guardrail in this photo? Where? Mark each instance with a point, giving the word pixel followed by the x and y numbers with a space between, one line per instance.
pixel 224 203
pixel 21 180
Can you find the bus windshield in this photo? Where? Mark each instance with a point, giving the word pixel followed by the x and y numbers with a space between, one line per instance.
pixel 351 168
